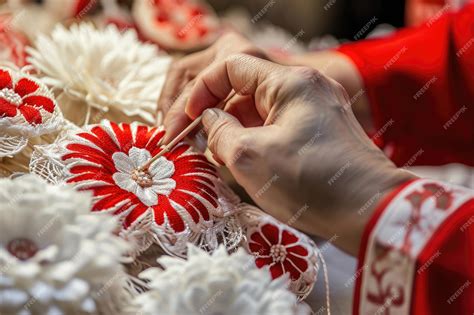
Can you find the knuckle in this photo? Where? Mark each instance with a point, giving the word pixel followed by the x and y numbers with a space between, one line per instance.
pixel 229 37
pixel 216 134
pixel 242 151
pixel 238 57
pixel 308 74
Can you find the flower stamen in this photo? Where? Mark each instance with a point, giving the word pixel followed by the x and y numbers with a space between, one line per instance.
pixel 10 96
pixel 22 248
pixel 142 178
pixel 278 253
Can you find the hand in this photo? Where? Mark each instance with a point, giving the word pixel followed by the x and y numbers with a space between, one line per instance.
pixel 183 73
pixel 309 161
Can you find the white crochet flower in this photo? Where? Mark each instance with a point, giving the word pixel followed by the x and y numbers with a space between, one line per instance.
pixel 218 284
pixel 146 185
pixel 55 256
pixel 107 69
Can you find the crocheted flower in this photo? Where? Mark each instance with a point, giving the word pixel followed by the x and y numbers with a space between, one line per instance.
pixel 175 24
pixel 175 192
pixel 114 71
pixel 213 284
pixel 285 251
pixel 27 109
pixel 55 257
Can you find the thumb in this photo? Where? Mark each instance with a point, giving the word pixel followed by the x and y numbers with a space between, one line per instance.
pixel 223 131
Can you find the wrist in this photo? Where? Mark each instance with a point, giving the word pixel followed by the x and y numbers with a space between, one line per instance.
pixel 348 227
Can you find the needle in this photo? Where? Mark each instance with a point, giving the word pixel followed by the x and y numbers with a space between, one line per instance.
pixel 181 135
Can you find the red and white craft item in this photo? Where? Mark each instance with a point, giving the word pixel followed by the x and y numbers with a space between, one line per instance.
pixel 176 24
pixel 27 109
pixel 283 249
pixel 175 196
pixel 62 9
pixel 12 43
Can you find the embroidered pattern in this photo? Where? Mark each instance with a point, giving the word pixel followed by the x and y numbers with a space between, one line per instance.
pixel 27 109
pixel 177 190
pixel 401 233
pixel 176 24
pixel 285 251
pixel 12 43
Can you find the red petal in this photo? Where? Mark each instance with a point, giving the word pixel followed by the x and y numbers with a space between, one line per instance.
pixel 124 135
pixel 298 262
pixel 40 101
pixel 299 250
pixel 5 79
pixel 31 114
pixel 257 248
pixel 288 238
pixel 257 238
pixel 135 214
pixel 143 135
pixel 25 87
pixel 174 219
pixel 289 268
pixel 177 151
pixel 271 233
pixel 7 109
pixel 186 202
pixel 151 146
pixel 276 270
pixel 111 200
pixel 262 262
pixel 107 143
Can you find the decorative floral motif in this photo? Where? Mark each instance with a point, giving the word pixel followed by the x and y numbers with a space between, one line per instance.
pixel 55 256
pixel 217 284
pixel 18 98
pixel 114 72
pixel 27 109
pixel 404 228
pixel 12 43
pixel 285 251
pixel 176 190
pixel 174 24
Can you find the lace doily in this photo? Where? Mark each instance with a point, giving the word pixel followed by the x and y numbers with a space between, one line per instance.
pixel 27 109
pixel 178 199
pixel 183 25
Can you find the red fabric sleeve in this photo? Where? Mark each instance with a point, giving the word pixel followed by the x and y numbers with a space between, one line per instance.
pixel 420 85
pixel 417 252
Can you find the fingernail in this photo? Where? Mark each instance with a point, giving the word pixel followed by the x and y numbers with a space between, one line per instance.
pixel 209 116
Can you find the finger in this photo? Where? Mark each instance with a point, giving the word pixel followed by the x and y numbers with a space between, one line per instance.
pixel 182 71
pixel 222 130
pixel 242 73
pixel 243 108
pixel 176 119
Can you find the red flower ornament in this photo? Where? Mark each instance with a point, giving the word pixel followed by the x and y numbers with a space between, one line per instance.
pixel 175 195
pixel 176 24
pixel 285 251
pixel 12 43
pixel 27 109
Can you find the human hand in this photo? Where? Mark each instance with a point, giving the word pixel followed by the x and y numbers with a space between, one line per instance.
pixel 184 71
pixel 309 162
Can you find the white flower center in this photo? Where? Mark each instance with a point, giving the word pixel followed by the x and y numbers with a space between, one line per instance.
pixel 278 253
pixel 22 248
pixel 148 183
pixel 10 96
